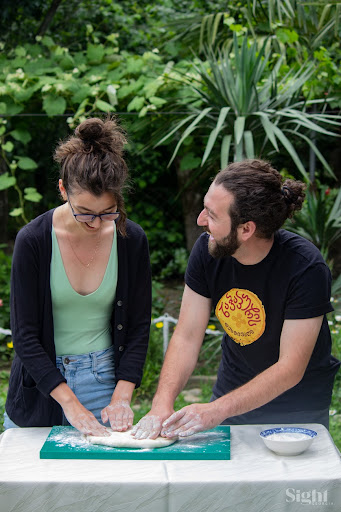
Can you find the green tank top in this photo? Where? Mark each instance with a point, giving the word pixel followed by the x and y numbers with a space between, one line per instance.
pixel 81 322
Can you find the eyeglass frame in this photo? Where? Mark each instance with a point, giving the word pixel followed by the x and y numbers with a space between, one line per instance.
pixel 92 215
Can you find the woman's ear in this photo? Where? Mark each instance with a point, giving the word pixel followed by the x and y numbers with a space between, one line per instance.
pixel 62 190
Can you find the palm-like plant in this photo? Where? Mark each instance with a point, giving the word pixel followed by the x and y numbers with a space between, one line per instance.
pixel 319 220
pixel 315 23
pixel 245 109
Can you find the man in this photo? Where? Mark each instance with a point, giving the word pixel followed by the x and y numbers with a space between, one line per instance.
pixel 270 290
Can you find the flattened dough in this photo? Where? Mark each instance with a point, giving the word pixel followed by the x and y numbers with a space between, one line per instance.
pixel 125 440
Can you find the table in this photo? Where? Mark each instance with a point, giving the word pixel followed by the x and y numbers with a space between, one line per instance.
pixel 254 480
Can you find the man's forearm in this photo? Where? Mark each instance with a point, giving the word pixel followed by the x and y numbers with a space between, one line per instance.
pixel 178 366
pixel 263 388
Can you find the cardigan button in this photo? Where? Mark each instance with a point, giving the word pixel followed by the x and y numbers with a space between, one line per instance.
pixel 119 303
pixel 121 348
pixel 120 327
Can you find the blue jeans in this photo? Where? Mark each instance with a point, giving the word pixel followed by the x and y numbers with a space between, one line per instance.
pixel 90 376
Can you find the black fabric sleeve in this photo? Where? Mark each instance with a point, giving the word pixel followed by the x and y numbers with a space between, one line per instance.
pixel 310 293
pixel 196 269
pixel 138 314
pixel 26 322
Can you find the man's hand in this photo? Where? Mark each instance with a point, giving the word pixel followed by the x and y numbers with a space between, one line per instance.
pixel 119 414
pixel 83 420
pixel 149 427
pixel 190 420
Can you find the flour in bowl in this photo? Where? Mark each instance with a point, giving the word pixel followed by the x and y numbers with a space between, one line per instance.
pixel 288 436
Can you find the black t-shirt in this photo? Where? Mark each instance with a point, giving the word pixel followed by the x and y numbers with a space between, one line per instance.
pixel 252 302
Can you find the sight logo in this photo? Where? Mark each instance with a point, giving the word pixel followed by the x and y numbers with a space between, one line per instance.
pixel 312 497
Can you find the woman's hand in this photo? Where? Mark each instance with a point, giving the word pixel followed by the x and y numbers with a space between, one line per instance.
pixel 83 420
pixel 76 414
pixel 119 414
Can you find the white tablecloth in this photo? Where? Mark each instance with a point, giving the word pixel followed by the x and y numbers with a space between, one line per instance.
pixel 254 480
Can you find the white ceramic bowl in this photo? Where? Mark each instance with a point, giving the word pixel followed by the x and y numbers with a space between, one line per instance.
pixel 288 440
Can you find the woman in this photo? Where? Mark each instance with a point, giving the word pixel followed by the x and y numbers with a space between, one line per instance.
pixel 80 295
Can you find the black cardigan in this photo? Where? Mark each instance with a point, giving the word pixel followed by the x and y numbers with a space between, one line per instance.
pixel 34 373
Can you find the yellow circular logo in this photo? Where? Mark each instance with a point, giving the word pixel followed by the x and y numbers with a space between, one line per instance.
pixel 241 315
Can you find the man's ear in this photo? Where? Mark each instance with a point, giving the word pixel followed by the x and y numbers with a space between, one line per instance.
pixel 62 190
pixel 246 230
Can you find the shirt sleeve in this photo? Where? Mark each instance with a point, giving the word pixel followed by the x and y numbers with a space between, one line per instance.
pixel 138 317
pixel 195 276
pixel 309 293
pixel 26 321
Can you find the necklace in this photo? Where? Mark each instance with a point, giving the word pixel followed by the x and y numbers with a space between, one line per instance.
pixel 86 265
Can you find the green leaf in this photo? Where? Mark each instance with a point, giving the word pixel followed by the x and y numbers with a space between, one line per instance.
pixel 83 92
pixel 268 128
pixel 316 151
pixel 23 136
pixel 23 94
pixel 249 146
pixel 6 181
pixel 104 106
pixel 95 53
pixel 291 150
pixel 175 129
pixel 54 105
pixel 136 104
pixel 8 147
pixel 189 161
pixel 26 163
pixel 48 41
pixel 67 62
pixel 31 194
pixel 11 108
pixel 157 101
pixel 3 107
pixel 16 212
pixel 193 126
pixel 151 88
pixel 239 125
pixel 20 51
pixel 215 132
pixel 225 151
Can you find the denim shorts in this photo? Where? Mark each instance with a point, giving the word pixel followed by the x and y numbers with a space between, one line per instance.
pixel 90 376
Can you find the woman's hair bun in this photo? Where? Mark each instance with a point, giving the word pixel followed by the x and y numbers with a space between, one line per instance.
pixel 90 130
pixel 101 135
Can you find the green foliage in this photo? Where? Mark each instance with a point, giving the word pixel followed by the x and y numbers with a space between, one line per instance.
pixel 5 270
pixel 177 266
pixel 335 408
pixel 152 366
pixel 320 219
pixel 130 58
pixel 4 377
pixel 242 103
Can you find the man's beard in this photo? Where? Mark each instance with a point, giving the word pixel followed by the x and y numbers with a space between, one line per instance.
pixel 227 247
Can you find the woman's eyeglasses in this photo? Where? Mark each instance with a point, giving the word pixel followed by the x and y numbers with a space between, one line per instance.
pixel 90 217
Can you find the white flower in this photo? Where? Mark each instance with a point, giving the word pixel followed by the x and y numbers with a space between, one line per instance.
pixel 338 318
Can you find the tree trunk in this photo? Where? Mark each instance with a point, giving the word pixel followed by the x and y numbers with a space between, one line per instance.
pixel 191 198
pixel 49 17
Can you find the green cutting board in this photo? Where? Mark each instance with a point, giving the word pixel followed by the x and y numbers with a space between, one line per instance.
pixel 68 443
